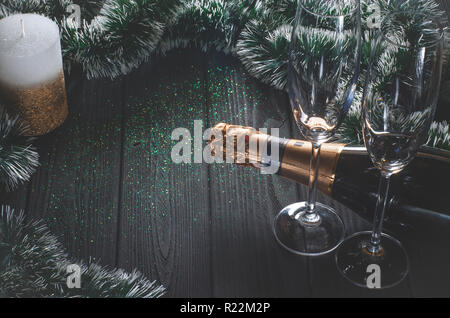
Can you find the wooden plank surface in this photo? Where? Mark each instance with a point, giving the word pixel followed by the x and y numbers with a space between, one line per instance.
pixel 76 189
pixel 17 199
pixel 109 190
pixel 247 262
pixel 164 217
pixel 443 110
pixel 326 280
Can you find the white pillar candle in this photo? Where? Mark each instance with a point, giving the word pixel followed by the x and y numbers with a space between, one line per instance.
pixel 31 71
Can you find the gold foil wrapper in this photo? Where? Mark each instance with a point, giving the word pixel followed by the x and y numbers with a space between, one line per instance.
pixel 229 135
pixel 295 162
pixel 43 107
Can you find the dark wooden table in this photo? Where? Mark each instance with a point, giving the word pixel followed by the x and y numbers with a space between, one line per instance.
pixel 108 189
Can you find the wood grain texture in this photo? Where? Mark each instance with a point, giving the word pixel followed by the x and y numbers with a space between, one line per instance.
pixel 164 224
pixel 109 190
pixel 247 261
pixel 430 258
pixel 76 189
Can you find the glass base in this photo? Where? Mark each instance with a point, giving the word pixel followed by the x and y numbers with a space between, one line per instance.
pixel 308 235
pixel 386 269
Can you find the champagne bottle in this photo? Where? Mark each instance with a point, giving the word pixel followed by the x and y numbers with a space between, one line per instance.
pixel 419 194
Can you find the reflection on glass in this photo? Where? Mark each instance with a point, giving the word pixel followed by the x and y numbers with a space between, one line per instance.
pixel 324 60
pixel 400 98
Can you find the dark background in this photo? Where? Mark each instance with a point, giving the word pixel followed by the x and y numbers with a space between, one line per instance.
pixel 108 189
pixel 443 110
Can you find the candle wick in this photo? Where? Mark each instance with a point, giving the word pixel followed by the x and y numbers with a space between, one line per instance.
pixel 23 27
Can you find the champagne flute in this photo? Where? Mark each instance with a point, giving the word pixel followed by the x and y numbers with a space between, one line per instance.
pixel 324 58
pixel 399 102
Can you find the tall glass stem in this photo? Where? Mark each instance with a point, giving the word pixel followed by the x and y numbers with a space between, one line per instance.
pixel 311 217
pixel 313 176
pixel 375 247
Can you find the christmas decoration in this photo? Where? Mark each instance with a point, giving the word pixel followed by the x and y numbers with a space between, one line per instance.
pixel 18 158
pixel 118 35
pixel 34 264
pixel 120 38
pixel 438 136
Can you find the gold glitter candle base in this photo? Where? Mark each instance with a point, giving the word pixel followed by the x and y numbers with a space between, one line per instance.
pixel 43 107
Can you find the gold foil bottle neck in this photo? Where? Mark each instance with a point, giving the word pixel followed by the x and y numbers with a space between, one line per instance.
pixel 296 155
pixel 295 163
pixel 232 133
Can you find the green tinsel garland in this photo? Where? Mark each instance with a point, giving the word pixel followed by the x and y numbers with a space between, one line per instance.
pixel 118 35
pixel 18 158
pixel 33 264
